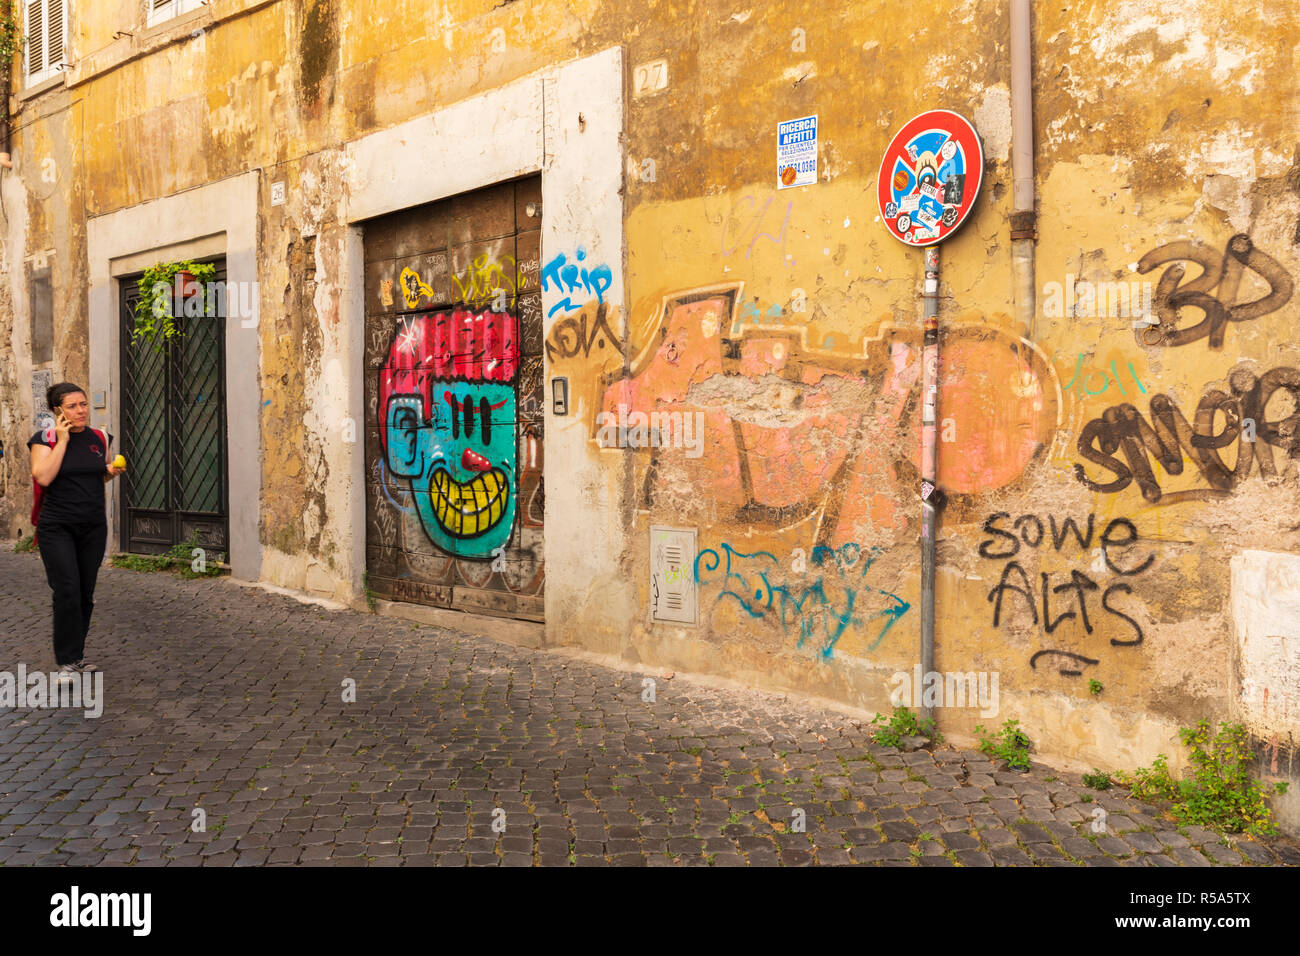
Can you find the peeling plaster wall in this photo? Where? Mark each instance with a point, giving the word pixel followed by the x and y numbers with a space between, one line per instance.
pixel 786 320
pixel 780 316
pixel 43 229
pixel 16 405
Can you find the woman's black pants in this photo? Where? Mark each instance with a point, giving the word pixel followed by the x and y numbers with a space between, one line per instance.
pixel 72 554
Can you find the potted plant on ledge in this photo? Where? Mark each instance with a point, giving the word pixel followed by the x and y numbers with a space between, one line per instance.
pixel 163 287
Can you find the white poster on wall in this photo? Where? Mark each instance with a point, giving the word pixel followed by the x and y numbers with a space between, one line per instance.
pixel 41 415
pixel 796 152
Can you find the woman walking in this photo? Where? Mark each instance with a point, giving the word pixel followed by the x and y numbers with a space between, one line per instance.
pixel 70 462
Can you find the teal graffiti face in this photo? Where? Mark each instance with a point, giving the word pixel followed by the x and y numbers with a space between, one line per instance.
pixel 462 465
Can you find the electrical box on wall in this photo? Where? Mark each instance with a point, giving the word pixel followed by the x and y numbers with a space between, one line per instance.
pixel 672 574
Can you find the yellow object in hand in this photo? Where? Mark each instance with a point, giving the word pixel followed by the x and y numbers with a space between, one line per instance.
pixel 119 462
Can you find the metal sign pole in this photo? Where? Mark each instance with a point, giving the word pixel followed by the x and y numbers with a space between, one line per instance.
pixel 929 177
pixel 929 469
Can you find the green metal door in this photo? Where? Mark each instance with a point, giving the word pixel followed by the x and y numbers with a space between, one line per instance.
pixel 176 487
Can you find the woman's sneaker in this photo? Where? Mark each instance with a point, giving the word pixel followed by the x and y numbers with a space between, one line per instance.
pixel 84 667
pixel 66 673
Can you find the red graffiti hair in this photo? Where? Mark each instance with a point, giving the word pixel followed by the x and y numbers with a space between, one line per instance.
pixel 434 347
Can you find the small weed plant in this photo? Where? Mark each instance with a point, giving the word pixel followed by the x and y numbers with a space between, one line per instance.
pixel 1218 792
pixel 890 731
pixel 1010 744
pixel 370 593
pixel 1097 780
pixel 178 558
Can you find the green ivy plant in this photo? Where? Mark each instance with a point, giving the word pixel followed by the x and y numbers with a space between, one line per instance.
pixel 890 732
pixel 1010 744
pixel 1219 791
pixel 11 35
pixel 154 321
pixel 11 46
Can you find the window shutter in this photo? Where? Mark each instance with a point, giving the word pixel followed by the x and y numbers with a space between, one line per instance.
pixel 46 35
pixel 35 36
pixel 54 30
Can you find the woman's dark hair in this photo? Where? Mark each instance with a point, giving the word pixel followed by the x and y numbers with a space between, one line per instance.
pixel 55 394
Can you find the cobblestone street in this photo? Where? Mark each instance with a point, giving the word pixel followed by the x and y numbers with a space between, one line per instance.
pixel 461 750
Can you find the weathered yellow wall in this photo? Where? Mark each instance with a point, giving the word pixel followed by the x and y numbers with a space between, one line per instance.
pixel 1153 127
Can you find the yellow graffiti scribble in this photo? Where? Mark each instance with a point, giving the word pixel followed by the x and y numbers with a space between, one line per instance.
pixel 413 287
pixel 486 278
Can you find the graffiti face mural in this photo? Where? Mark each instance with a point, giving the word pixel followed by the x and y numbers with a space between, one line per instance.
pixel 449 420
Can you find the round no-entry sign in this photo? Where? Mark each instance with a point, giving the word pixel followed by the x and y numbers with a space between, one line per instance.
pixel 930 177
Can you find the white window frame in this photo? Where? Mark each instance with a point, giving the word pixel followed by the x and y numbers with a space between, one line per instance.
pixel 42 41
pixel 163 10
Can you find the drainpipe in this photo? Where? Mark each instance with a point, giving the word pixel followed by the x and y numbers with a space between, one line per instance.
pixel 6 8
pixel 1024 220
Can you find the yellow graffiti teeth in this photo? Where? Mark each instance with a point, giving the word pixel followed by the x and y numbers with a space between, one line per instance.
pixel 468 508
